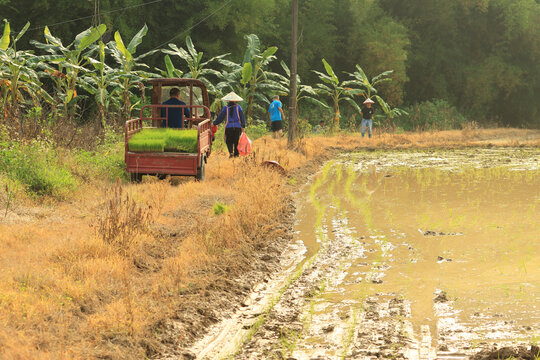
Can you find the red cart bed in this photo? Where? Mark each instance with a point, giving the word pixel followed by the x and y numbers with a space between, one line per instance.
pixel 170 163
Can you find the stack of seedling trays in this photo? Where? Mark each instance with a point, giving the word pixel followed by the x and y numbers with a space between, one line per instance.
pixel 164 140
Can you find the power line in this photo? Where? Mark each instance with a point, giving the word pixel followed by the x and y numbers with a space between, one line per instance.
pixel 93 16
pixel 194 26
pixel 96 20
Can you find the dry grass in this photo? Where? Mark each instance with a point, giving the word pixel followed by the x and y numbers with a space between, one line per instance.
pixel 97 277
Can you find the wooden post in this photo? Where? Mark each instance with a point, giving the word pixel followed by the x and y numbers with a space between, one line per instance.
pixel 293 121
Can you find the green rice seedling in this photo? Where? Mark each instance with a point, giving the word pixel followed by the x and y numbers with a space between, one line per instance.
pixel 146 145
pixel 288 340
pixel 261 319
pixel 160 140
pixel 147 141
pixel 181 140
pixel 349 334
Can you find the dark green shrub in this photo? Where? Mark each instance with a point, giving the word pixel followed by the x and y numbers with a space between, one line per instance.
pixel 431 115
pixel 256 131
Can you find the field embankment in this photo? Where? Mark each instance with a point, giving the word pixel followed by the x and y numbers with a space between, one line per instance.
pixel 100 271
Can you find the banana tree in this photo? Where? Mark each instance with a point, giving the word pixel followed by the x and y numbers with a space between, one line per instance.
pixel 389 113
pixel 170 70
pixel 69 62
pixel 337 91
pixel 304 92
pixel 102 84
pixel 193 59
pixel 252 79
pixel 228 81
pixel 18 73
pixel 263 83
pixel 129 73
pixel 361 81
pixel 238 79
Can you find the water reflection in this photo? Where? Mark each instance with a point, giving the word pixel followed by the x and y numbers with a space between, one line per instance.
pixel 471 232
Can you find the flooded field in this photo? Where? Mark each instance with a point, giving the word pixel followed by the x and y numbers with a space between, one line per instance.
pixel 403 255
pixel 448 244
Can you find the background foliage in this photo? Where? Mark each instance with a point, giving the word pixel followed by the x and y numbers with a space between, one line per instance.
pixel 480 56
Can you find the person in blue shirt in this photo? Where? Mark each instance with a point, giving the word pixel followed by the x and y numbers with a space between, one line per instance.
pixel 235 122
pixel 174 116
pixel 276 116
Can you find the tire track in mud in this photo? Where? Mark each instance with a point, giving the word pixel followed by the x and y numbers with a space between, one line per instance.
pixel 226 339
pixel 303 325
pixel 294 320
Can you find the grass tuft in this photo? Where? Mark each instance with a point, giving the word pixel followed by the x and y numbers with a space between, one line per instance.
pixel 220 208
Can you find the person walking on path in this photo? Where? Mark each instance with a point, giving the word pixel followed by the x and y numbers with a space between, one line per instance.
pixel 235 122
pixel 276 116
pixel 174 116
pixel 367 117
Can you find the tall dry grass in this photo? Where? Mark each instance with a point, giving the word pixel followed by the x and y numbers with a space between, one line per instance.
pixel 95 279
pixel 100 275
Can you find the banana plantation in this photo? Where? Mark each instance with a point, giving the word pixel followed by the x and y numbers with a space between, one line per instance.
pixel 87 81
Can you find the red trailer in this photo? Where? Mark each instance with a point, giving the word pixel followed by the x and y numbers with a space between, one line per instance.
pixel 194 94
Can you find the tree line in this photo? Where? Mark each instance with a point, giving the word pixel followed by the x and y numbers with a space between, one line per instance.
pixel 479 57
pixel 67 80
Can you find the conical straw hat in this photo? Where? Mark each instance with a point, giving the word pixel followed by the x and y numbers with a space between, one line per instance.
pixel 369 101
pixel 232 97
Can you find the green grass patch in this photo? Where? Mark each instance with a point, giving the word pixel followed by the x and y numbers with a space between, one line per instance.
pixel 220 208
pixel 36 167
pixel 160 140
pixel 106 163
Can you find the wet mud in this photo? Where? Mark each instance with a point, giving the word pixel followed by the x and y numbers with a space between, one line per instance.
pixel 399 255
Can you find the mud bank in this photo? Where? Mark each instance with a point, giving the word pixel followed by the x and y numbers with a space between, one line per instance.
pixel 224 295
pixel 215 317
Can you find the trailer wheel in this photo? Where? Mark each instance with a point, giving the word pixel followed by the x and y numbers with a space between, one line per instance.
pixel 136 177
pixel 201 170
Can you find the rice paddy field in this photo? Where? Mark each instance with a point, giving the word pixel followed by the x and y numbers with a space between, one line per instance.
pixel 408 254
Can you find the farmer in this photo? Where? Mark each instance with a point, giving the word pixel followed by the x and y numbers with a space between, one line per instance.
pixel 235 122
pixel 174 116
pixel 276 115
pixel 321 128
pixel 367 117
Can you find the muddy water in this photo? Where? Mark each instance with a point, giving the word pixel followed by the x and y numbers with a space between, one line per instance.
pixel 442 247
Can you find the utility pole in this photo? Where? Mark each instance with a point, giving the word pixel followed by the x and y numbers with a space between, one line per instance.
pixel 293 121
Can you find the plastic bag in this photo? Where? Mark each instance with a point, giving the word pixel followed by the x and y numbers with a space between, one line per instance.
pixel 214 130
pixel 244 145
